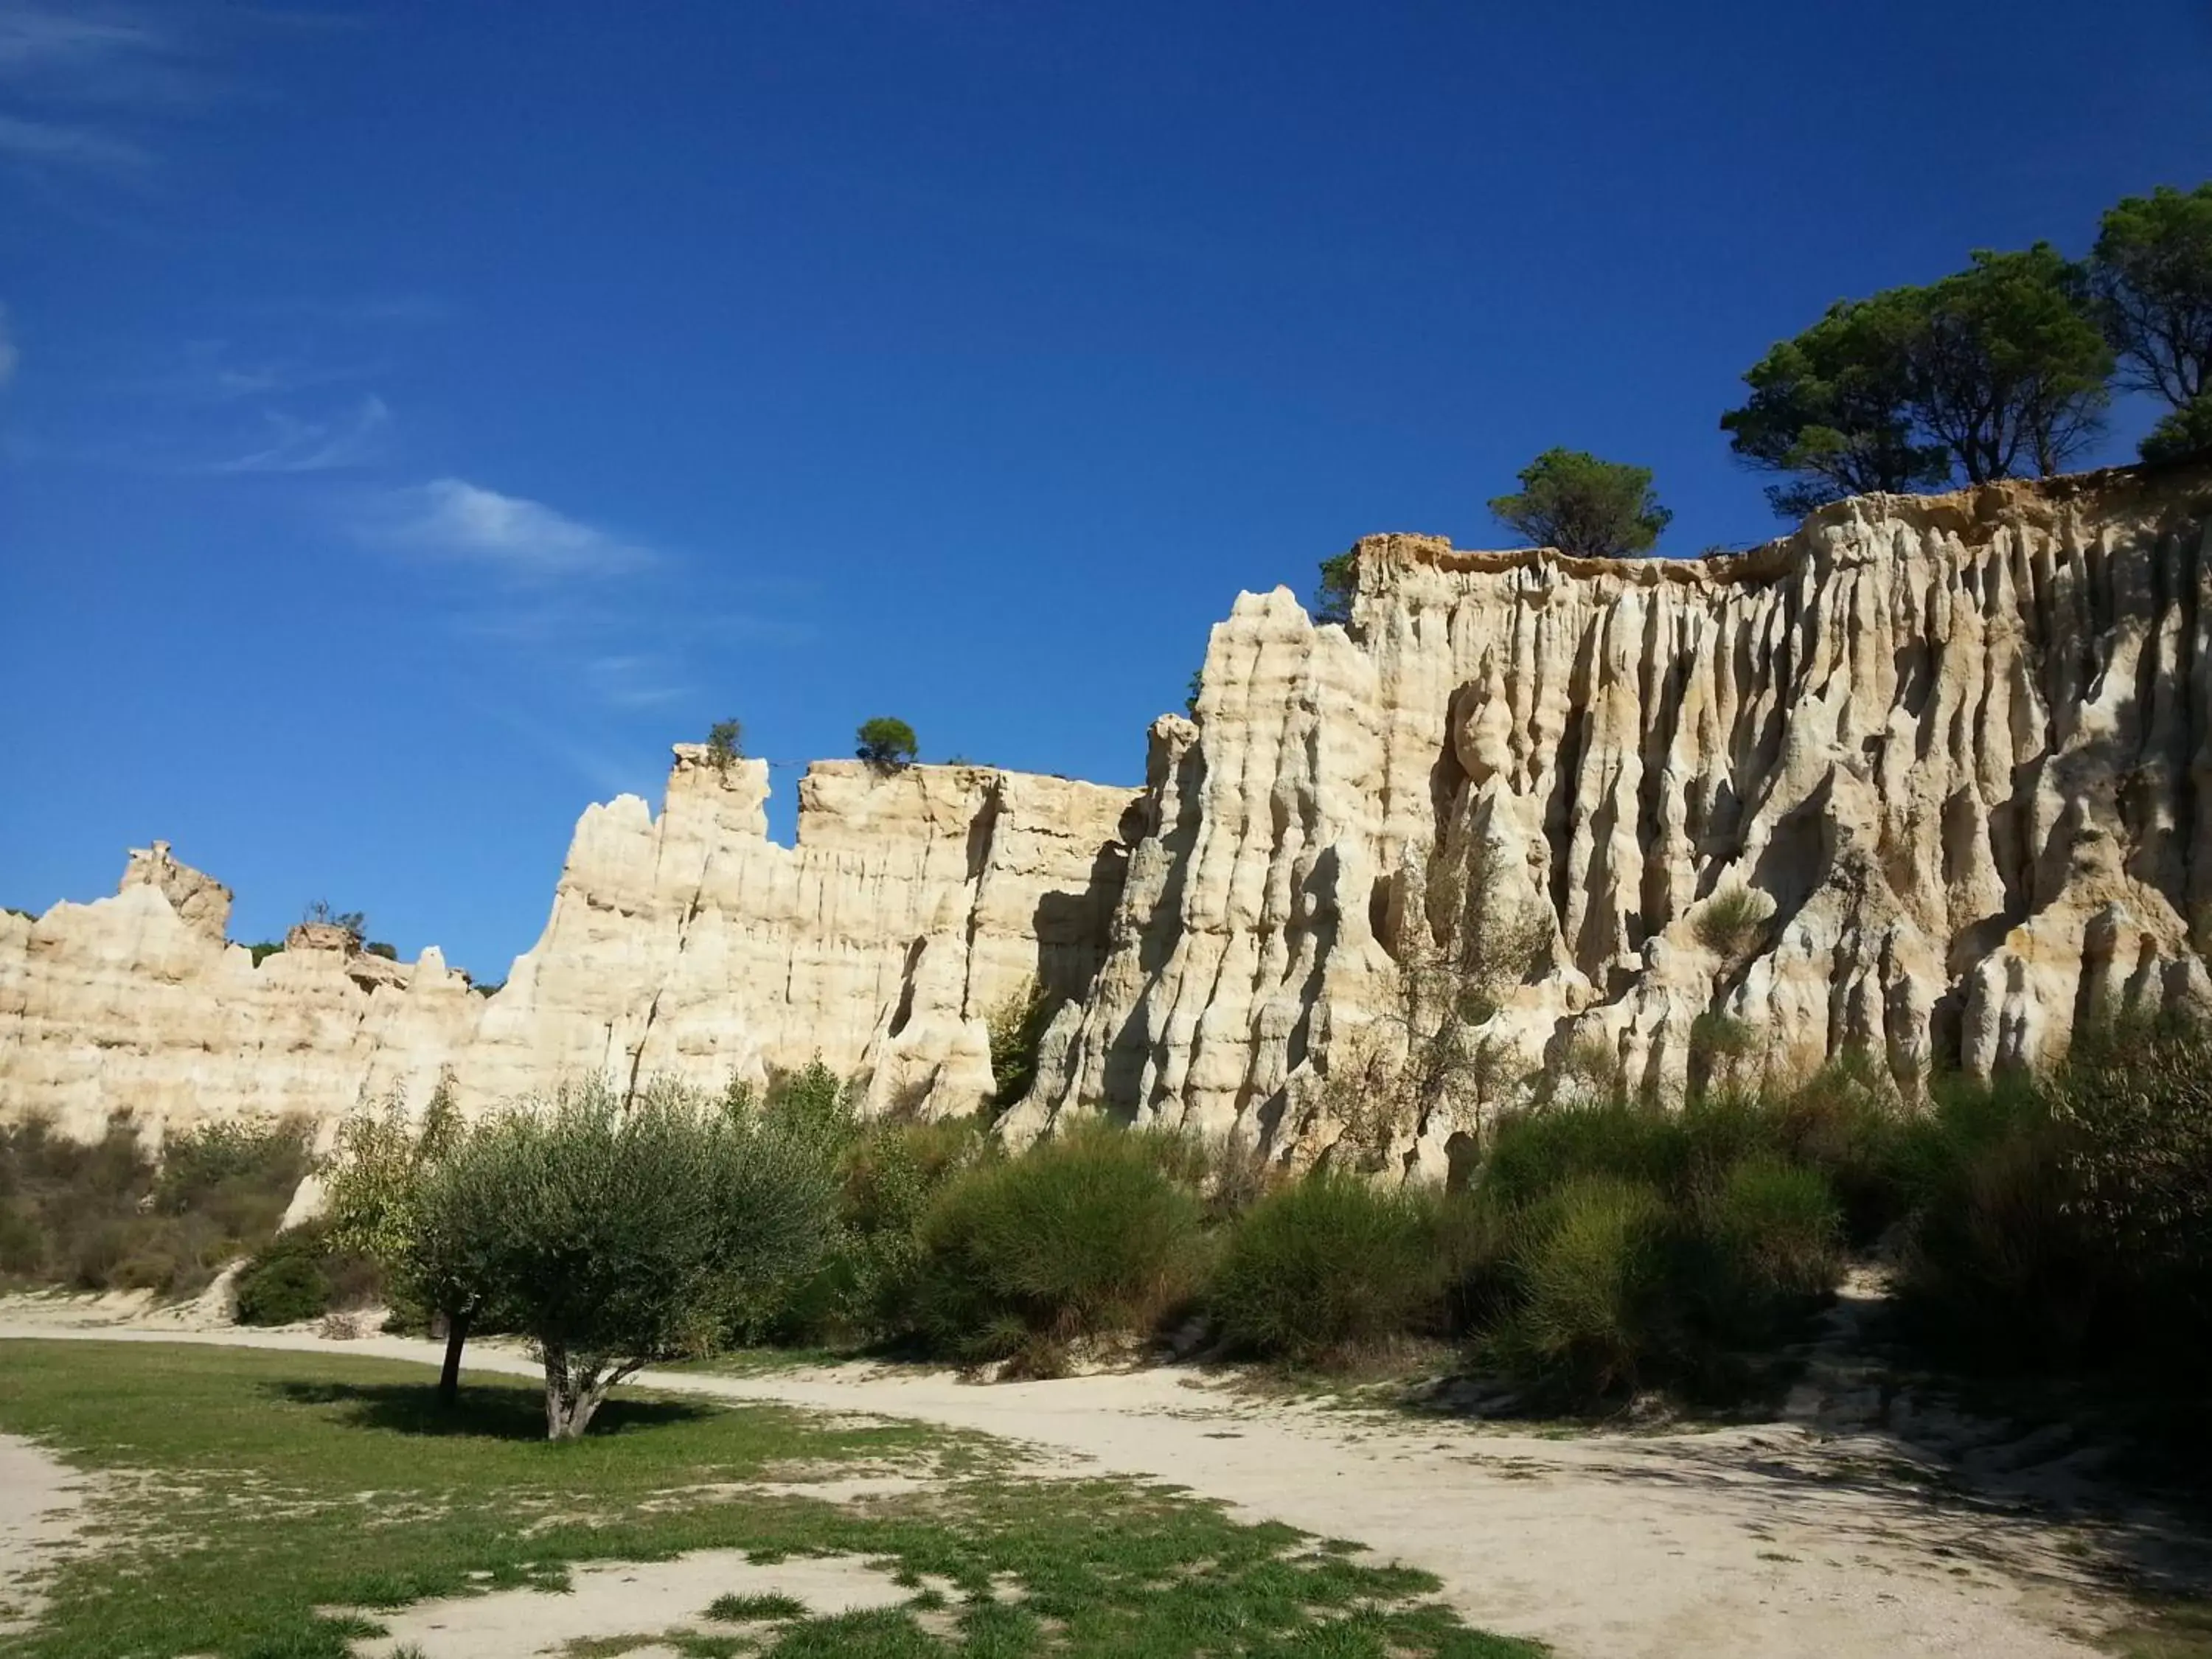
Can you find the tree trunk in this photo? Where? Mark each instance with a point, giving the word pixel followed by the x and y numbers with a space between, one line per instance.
pixel 449 1379
pixel 574 1393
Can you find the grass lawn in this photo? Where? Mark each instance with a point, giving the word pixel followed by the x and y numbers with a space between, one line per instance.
pixel 247 1498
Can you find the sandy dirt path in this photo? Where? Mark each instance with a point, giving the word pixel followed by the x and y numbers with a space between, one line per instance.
pixel 41 1506
pixel 1762 1543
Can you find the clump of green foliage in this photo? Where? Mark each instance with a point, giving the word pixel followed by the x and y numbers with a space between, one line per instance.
pixel 726 744
pixel 1612 1247
pixel 1326 1268
pixel 2151 271
pixel 1572 500
pixel 303 1273
pixel 353 923
pixel 112 1215
pixel 1085 1237
pixel 1016 1029
pixel 1730 923
pixel 887 743
pixel 1332 596
pixel 2066 1224
pixel 1997 369
pixel 867 1289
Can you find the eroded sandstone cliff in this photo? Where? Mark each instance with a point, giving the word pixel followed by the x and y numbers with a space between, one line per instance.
pixel 916 904
pixel 1946 753
pixel 1922 780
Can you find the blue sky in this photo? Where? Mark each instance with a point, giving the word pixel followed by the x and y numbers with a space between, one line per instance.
pixel 416 416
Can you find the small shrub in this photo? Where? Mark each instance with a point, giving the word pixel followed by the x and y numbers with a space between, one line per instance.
pixel 743 1610
pixel 1325 1268
pixel 887 743
pixel 283 1285
pixel 1717 1042
pixel 1587 1266
pixel 1017 1027
pixel 108 1215
pixel 1731 921
pixel 1736 1237
pixel 866 1289
pixel 725 745
pixel 1084 1237
pixel 1777 1236
pixel 1846 1121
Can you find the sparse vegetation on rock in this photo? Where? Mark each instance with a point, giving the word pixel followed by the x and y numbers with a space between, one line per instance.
pixel 1572 500
pixel 724 743
pixel 887 743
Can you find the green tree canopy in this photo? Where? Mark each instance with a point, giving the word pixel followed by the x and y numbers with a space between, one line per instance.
pixel 1337 588
pixel 1993 371
pixel 1573 502
pixel 615 1232
pixel 887 743
pixel 383 1200
pixel 2009 367
pixel 725 742
pixel 1834 407
pixel 2183 432
pixel 2152 269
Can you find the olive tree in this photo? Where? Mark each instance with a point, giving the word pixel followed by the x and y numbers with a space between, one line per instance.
pixel 384 1200
pixel 618 1232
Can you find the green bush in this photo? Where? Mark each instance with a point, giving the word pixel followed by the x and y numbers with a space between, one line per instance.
pixel 1610 1246
pixel 283 1285
pixel 108 1215
pixel 302 1273
pixel 1325 1268
pixel 1761 1247
pixel 1084 1237
pixel 866 1289
pixel 1587 1271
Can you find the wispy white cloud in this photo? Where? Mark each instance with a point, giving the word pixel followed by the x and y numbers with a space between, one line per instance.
pixel 8 355
pixel 353 439
pixel 87 85
pixel 454 519
pixel 36 37
pixel 638 680
pixel 65 144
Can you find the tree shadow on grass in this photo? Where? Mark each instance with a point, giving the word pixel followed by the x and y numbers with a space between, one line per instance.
pixel 485 1411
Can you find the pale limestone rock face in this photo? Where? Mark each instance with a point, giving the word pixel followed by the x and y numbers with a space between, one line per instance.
pixel 916 903
pixel 129 1006
pixel 201 903
pixel 1951 747
pixel 1948 742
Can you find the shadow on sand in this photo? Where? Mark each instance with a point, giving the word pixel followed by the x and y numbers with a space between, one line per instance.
pixel 485 1411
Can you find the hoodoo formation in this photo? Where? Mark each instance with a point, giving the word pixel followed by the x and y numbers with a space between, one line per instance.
pixel 1920 780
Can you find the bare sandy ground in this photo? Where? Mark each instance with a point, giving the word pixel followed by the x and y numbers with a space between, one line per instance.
pixel 41 1506
pixel 608 1600
pixel 1772 1542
